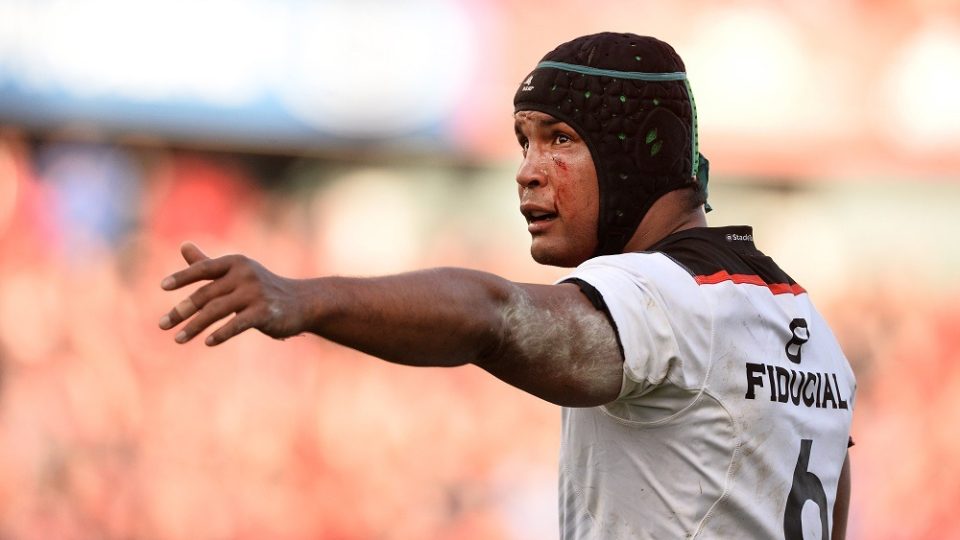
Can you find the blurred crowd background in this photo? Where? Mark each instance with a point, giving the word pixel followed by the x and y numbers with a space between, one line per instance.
pixel 368 137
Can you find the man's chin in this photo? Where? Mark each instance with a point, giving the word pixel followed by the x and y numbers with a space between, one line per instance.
pixel 552 257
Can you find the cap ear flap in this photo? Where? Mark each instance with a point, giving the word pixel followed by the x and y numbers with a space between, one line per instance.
pixel 663 143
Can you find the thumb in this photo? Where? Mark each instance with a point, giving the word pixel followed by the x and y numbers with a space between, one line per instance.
pixel 191 253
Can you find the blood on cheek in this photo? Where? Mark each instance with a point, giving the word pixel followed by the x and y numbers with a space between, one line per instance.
pixel 562 186
pixel 562 182
pixel 562 165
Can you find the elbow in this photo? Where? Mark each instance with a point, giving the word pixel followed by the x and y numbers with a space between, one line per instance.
pixel 483 314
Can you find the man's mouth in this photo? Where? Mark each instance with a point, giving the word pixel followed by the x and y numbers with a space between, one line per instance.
pixel 537 216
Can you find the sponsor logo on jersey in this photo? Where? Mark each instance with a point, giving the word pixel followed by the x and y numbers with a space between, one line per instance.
pixel 801 334
pixel 811 389
pixel 819 390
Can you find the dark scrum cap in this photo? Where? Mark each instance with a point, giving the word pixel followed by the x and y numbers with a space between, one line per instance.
pixel 628 97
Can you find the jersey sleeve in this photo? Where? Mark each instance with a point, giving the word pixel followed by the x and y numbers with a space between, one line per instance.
pixel 637 314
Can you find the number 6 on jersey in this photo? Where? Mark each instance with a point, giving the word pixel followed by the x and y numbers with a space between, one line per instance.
pixel 806 487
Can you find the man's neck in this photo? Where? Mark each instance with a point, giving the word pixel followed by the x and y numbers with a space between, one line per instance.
pixel 668 215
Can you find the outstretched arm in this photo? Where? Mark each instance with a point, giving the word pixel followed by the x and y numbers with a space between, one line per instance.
pixel 548 340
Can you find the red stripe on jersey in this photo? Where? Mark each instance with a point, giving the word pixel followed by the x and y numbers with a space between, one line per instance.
pixel 750 279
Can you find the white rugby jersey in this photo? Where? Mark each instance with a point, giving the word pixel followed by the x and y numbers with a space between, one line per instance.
pixel 734 415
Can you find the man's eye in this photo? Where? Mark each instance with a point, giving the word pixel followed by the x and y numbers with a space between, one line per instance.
pixel 560 138
pixel 524 144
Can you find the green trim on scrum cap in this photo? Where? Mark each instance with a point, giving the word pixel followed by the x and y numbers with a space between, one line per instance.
pixel 695 147
pixel 633 75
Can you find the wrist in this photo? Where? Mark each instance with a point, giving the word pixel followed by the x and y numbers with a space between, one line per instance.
pixel 316 303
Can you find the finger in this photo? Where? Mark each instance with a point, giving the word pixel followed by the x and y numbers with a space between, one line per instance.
pixel 200 270
pixel 242 322
pixel 214 311
pixel 178 314
pixel 191 253
pixel 195 302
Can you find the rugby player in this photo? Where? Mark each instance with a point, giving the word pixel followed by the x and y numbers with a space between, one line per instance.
pixel 703 394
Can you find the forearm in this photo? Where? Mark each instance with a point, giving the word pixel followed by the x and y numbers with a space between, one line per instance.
pixel 439 317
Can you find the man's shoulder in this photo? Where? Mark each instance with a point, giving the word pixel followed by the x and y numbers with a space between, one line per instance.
pixel 721 254
pixel 702 248
pixel 644 266
pixel 653 274
pixel 695 251
pixel 681 264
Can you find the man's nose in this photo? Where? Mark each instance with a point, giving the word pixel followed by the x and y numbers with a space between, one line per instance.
pixel 533 170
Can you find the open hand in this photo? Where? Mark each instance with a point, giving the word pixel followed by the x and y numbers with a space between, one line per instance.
pixel 237 285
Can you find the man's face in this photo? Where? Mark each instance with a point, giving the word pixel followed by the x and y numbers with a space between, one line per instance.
pixel 559 194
